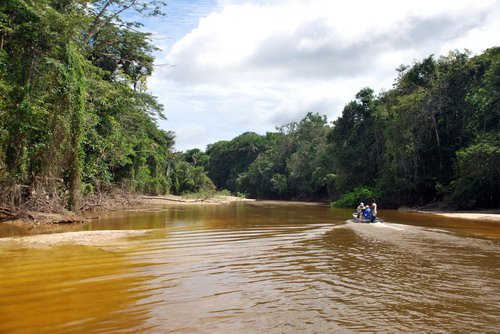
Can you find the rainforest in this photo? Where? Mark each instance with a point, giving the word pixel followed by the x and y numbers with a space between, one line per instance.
pixel 77 119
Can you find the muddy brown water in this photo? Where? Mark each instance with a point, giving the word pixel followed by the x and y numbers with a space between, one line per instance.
pixel 260 268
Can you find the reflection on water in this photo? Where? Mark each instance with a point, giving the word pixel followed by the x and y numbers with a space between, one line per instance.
pixel 68 289
pixel 252 268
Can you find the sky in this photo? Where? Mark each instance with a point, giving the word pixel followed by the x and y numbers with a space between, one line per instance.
pixel 226 67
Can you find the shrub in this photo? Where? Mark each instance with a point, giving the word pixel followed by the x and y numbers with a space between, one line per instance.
pixel 224 192
pixel 352 198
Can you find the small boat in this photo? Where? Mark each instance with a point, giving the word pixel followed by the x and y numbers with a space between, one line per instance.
pixel 365 221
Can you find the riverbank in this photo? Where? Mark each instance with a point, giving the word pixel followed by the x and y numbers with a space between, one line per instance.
pixel 44 229
pixel 484 215
pixel 80 238
pixel 145 201
pixel 26 223
pixel 489 216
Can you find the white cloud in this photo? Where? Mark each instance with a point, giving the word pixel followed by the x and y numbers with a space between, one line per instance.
pixel 189 133
pixel 252 65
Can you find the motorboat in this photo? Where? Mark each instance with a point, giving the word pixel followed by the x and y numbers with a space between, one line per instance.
pixel 355 219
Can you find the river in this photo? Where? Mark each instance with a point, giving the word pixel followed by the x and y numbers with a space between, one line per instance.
pixel 259 267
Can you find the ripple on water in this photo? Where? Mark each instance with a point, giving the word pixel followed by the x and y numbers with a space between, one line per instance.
pixel 300 277
pixel 341 278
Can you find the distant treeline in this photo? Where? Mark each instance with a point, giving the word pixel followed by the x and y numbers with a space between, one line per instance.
pixel 434 137
pixel 75 114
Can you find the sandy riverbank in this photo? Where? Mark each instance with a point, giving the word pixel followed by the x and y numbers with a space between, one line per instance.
pixel 45 229
pixel 152 201
pixel 39 223
pixel 82 238
pixel 484 215
pixel 467 215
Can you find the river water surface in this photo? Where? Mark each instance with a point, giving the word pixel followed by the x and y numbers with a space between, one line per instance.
pixel 259 267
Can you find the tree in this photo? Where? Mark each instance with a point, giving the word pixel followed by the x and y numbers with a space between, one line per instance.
pixel 477 177
pixel 306 167
pixel 230 158
pixel 294 166
pixel 196 157
pixel 75 111
pixel 356 143
pixel 413 144
pixel 188 178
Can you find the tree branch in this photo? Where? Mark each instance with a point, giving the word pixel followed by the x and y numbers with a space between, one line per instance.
pixel 98 26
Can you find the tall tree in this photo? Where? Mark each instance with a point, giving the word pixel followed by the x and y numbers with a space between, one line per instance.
pixel 75 111
pixel 356 143
pixel 230 158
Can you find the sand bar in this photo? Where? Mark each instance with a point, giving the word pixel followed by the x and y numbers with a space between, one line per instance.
pixel 467 215
pixel 84 238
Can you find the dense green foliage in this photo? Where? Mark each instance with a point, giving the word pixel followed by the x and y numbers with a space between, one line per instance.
pixel 76 117
pixel 293 166
pixel 75 113
pixel 477 174
pixel 286 164
pixel 230 158
pixel 187 177
pixel 432 138
pixel 354 197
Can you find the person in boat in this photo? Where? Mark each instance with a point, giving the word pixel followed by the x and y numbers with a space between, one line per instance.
pixel 374 211
pixel 360 209
pixel 367 213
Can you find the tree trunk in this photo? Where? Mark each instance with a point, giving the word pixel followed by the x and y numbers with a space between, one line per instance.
pixel 76 101
pixel 438 142
pixel 74 178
